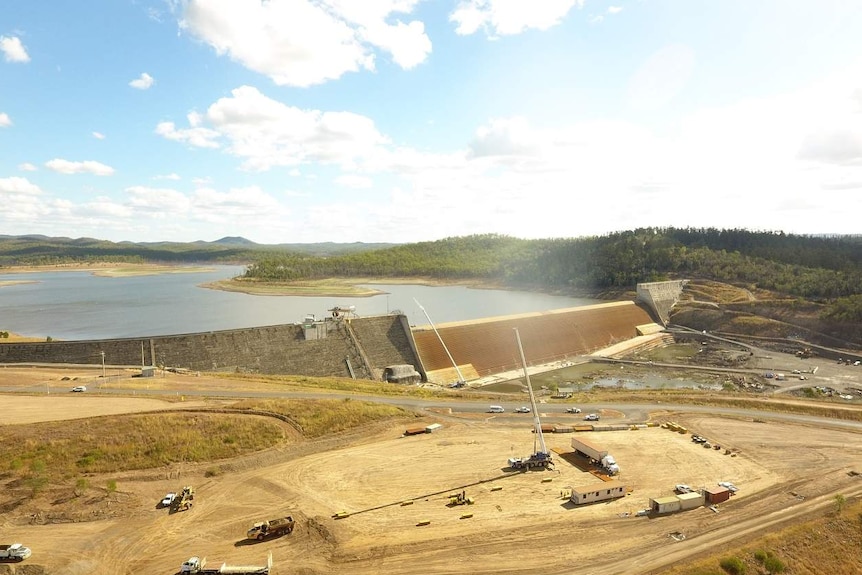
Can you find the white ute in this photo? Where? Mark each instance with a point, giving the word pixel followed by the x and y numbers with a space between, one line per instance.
pixel 15 552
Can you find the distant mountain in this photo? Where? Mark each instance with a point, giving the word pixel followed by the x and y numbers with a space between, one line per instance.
pixel 234 241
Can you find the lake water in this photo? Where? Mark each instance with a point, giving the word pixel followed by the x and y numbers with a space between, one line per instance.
pixel 78 305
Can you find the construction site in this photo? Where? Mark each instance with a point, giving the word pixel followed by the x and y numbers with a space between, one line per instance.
pixel 448 500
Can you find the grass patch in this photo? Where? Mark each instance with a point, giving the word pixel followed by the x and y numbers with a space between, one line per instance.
pixel 57 451
pixel 340 384
pixel 320 417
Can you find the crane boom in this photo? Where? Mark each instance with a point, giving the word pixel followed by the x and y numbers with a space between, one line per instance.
pixel 536 422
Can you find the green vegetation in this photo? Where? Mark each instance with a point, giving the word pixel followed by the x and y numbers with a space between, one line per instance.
pixel 325 416
pixel 733 565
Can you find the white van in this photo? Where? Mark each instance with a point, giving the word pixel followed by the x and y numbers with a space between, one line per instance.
pixel 496 409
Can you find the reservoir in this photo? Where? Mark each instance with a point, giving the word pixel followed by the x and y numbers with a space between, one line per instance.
pixel 71 305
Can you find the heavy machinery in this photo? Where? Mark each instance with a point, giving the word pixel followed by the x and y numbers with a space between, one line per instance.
pixel 183 500
pixel 541 457
pixel 271 528
pixel 460 499
pixel 199 566
pixel 14 552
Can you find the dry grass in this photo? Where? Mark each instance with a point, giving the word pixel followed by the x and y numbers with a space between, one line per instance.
pixel 827 545
pixel 320 417
pixel 339 384
pixel 57 451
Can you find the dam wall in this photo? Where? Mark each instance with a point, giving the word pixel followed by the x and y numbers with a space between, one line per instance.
pixel 359 348
pixel 661 297
pixel 363 348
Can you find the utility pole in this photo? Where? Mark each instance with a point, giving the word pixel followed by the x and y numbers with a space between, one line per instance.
pixel 103 364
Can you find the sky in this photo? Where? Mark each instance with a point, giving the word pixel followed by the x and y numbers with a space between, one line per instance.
pixel 298 121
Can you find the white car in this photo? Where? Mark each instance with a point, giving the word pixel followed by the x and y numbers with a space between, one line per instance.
pixel 522 409
pixel 573 410
pixel 682 488
pixel 168 499
pixel 591 417
pixel 79 388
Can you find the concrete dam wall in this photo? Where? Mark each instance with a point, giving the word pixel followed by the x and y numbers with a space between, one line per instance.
pixel 361 347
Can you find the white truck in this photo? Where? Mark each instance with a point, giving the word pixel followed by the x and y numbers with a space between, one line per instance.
pixel 15 552
pixel 588 450
pixel 610 464
pixel 198 566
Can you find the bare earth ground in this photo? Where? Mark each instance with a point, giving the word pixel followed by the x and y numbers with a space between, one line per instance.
pixel 783 471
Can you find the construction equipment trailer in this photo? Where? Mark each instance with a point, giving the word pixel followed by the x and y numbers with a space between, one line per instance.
pixel 197 566
pixel 541 457
pixel 271 528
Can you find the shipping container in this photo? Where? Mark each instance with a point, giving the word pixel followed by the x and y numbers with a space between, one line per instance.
pixel 665 504
pixel 690 500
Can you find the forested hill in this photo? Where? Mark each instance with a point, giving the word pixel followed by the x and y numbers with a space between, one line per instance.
pixel 812 267
pixel 38 250
pixel 806 266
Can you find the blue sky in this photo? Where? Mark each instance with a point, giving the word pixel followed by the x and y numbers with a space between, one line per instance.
pixel 413 120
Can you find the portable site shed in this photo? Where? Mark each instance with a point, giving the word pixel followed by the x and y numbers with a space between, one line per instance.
pixel 598 492
pixel 716 494
pixel 690 500
pixel 665 504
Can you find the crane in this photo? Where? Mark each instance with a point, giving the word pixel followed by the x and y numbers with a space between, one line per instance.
pixel 541 457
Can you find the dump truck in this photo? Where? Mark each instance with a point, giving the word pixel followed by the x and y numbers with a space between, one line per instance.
pixel 271 528
pixel 198 566
pixel 184 499
pixel 588 450
pixel 14 552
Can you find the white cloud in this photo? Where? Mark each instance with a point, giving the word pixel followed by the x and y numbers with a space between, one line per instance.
pixel 171 176
pixel 354 181
pixel 27 167
pixel 250 204
pixel 99 135
pixel 18 186
pixel 13 50
pixel 197 137
pixel 5 120
pixel 597 19
pixel 504 137
pixel 508 17
pixel 615 9
pixel 266 133
pixel 661 77
pixel 142 82
pixel 159 202
pixel 87 167
pixel 304 42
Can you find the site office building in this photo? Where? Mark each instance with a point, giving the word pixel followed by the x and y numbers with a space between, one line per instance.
pixel 598 492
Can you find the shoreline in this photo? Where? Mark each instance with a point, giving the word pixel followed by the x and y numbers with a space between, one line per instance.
pixel 337 287
pixel 105 269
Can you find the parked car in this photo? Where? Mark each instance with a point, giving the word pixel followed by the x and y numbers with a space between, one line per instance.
pixel 168 500
pixel 573 410
pixel 522 409
pixel 682 488
pixel 591 417
pixel 79 388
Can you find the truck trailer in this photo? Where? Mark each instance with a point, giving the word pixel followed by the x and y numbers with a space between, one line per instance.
pixel 198 566
pixel 588 450
pixel 15 552
pixel 271 528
